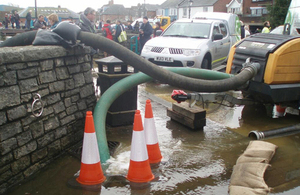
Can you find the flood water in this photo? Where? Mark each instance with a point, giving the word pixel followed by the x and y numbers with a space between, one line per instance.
pixel 194 162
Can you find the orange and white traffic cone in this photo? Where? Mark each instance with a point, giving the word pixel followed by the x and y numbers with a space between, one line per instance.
pixel 151 135
pixel 139 167
pixel 90 171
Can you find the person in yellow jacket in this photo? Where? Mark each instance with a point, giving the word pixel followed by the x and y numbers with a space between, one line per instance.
pixel 266 28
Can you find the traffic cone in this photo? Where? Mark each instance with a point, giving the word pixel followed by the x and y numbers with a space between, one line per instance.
pixel 90 171
pixel 139 167
pixel 151 135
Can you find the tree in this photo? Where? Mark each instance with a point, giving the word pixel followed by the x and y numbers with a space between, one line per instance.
pixel 278 11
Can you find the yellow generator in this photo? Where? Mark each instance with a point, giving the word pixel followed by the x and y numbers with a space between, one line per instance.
pixel 278 80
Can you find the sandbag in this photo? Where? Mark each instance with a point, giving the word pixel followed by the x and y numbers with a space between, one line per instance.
pixel 268 154
pixel 240 190
pixel 261 145
pixel 47 37
pixel 249 175
pixel 67 31
pixel 248 159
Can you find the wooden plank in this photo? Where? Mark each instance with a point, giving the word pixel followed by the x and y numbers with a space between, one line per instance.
pixel 194 113
pixel 186 121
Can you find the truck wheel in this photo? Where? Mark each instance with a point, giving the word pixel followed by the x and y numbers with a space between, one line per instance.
pixel 206 63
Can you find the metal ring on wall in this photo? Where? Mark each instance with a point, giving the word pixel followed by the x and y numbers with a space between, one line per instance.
pixel 37 98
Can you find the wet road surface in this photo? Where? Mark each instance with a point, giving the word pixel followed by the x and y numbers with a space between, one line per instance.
pixel 194 162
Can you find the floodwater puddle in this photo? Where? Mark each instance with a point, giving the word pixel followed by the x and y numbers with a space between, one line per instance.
pixel 194 162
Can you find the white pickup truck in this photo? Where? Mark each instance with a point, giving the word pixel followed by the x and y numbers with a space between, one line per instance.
pixel 201 42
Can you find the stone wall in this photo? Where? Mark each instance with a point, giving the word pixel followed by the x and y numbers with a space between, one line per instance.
pixel 63 79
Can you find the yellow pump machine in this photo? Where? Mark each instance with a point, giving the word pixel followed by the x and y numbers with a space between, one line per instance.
pixel 278 80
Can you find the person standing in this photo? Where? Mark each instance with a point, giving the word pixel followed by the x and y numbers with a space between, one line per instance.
pixel 101 24
pixel 145 32
pixel 242 29
pixel 12 20
pixel 136 27
pixel 119 29
pixel 28 19
pixel 17 20
pixel 107 31
pixel 53 20
pixel 6 21
pixel 247 32
pixel 40 23
pixel 86 20
pixel 129 27
pixel 266 28
pixel 157 27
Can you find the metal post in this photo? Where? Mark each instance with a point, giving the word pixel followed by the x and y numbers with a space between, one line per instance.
pixel 35 6
pixel 145 8
pixel 190 2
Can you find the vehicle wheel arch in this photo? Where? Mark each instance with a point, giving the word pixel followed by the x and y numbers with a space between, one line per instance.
pixel 208 57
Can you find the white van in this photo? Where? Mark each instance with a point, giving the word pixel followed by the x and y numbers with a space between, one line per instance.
pixel 293 17
pixel 201 42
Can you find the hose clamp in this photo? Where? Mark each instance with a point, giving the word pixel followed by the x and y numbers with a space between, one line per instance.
pixel 253 67
pixel 37 99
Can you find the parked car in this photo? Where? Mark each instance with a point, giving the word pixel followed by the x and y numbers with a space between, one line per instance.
pixel 201 42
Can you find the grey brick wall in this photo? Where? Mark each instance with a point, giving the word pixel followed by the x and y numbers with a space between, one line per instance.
pixel 63 79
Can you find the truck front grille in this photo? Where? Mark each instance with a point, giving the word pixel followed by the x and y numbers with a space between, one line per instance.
pixel 175 51
pixel 157 49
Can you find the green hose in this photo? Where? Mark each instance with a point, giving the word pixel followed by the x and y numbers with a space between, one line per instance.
pixel 127 83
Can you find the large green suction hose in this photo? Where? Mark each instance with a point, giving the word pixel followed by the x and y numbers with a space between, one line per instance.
pixel 112 93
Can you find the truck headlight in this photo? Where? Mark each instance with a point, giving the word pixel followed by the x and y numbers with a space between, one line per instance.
pixel 191 52
pixel 147 49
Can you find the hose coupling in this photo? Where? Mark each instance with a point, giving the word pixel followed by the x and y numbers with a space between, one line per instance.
pixel 256 135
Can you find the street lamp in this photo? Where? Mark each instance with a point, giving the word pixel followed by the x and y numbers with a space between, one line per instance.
pixel 190 4
pixel 35 11
pixel 145 8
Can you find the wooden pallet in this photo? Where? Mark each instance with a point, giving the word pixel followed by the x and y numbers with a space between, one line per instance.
pixel 194 118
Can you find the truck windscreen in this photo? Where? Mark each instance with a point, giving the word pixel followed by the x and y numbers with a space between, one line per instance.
pixel 188 29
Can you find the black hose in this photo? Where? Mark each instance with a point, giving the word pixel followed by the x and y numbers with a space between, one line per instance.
pixel 161 74
pixel 21 39
pixel 285 131
pixel 147 67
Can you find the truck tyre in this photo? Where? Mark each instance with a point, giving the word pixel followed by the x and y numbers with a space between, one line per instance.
pixel 206 62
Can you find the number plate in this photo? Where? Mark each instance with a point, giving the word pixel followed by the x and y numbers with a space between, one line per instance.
pixel 163 59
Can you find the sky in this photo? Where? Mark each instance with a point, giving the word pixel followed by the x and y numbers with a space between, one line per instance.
pixel 76 6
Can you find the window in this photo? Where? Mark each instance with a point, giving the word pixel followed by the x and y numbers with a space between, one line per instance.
pixel 173 12
pixel 188 29
pixel 205 9
pixel 235 10
pixel 265 11
pixel 164 22
pixel 258 11
pixel 223 30
pixel 184 12
pixel 216 29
